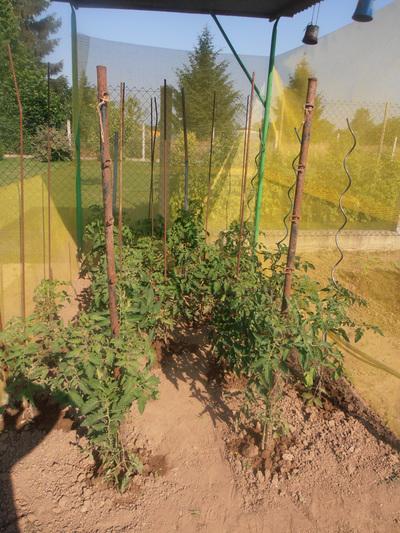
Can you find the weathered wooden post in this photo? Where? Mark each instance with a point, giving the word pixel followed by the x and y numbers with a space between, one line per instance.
pixel 105 158
pixel 298 198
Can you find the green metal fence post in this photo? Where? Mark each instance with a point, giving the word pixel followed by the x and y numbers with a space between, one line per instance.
pixel 264 133
pixel 77 132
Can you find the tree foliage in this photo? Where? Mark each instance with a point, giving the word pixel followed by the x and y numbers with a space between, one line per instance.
pixel 200 78
pixel 29 37
pixel 89 120
pixel 288 111
pixel 36 29
pixel 203 76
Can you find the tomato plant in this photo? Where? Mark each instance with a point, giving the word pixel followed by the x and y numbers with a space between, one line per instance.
pixel 83 366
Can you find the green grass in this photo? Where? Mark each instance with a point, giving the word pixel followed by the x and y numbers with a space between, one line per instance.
pixel 136 182
pixel 371 203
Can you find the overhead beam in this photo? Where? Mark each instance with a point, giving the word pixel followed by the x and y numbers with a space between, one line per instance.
pixel 269 9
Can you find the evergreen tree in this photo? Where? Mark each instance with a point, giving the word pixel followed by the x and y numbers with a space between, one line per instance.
pixel 36 30
pixel 203 75
pixel 289 111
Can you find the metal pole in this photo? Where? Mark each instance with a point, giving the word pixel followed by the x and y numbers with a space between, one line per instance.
pixel 115 169
pixel 298 197
pixel 48 151
pixel 394 147
pixel 77 130
pixel 245 168
pixel 153 137
pixel 21 181
pixel 120 160
pixel 385 117
pixel 143 142
pixel 264 133
pixel 49 174
pixel 210 163
pixel 236 55
pixel 165 180
pixel 186 150
pixel 103 99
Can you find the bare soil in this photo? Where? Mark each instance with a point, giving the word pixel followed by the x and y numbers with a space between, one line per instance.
pixel 330 473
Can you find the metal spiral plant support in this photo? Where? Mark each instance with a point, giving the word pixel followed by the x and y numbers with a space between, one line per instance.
pixel 349 184
pixel 289 192
pixel 252 187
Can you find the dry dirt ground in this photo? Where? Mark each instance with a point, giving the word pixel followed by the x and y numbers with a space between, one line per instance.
pixel 330 474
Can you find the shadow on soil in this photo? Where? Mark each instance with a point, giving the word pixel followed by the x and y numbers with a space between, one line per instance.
pixel 187 359
pixel 16 441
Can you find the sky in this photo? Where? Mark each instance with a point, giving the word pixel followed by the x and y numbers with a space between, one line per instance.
pixel 180 31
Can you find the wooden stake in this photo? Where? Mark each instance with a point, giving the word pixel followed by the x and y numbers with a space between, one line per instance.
pixel 103 99
pixel 21 181
pixel 382 140
pixel 120 160
pixel 210 162
pixel 298 197
pixel 249 112
pixel 186 151
pixel 49 175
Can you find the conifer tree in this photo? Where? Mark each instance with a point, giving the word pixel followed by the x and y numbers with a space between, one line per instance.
pixel 289 110
pixel 203 75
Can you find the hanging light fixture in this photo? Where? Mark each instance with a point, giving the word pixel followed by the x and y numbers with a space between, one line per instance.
pixel 364 11
pixel 312 29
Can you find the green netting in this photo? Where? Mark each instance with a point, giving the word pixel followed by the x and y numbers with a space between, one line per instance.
pixel 354 90
pixel 36 215
pixel 136 150
pixel 362 89
pixel 349 88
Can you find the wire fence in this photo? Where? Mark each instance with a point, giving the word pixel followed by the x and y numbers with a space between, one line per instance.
pixel 136 150
pixel 50 178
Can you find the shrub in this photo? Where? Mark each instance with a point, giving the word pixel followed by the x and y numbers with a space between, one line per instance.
pixel 60 148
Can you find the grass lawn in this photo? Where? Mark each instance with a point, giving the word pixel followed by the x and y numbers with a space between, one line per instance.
pixel 135 187
pixel 369 205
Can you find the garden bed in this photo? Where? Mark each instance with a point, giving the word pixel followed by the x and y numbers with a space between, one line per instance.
pixel 210 408
pixel 330 474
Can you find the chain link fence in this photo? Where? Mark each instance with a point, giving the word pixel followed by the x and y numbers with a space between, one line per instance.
pixel 50 210
pixel 373 200
pixel 136 150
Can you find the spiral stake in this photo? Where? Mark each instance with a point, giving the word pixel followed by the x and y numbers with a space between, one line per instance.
pixel 341 208
pixel 290 190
